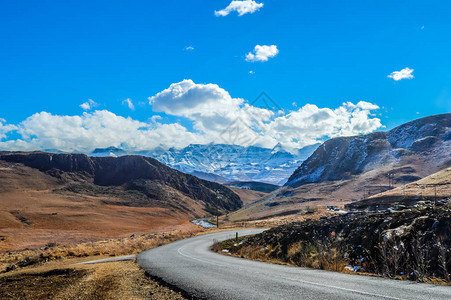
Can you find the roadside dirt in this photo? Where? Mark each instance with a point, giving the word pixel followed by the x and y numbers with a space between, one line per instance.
pixel 65 280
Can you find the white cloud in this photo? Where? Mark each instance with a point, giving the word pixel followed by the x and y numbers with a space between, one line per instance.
pixel 405 73
pixel 98 129
pixel 210 107
pixel 5 128
pixel 129 103
pixel 262 53
pixel 189 48
pixel 251 72
pixel 154 118
pixel 88 105
pixel 213 110
pixel 216 117
pixel 241 7
pixel 311 124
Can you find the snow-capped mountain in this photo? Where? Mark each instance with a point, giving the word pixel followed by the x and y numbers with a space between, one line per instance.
pixel 227 162
pixel 236 163
pixel 412 150
pixel 110 151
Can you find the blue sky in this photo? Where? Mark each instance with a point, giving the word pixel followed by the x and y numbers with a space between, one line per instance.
pixel 56 55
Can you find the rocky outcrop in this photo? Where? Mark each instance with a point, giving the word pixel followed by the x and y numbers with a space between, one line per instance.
pixel 131 172
pixel 419 143
pixel 412 244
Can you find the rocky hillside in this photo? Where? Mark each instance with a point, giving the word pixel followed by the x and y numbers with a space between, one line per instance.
pixel 424 145
pixel 411 244
pixel 155 183
pixel 349 169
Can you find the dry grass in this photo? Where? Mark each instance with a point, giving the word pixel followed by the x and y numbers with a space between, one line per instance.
pixel 246 195
pixel 318 212
pixel 342 192
pixel 111 247
pixel 435 185
pixel 51 273
pixel 64 280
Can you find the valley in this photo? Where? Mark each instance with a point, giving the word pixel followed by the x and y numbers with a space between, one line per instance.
pixel 56 197
pixel 126 204
pixel 235 149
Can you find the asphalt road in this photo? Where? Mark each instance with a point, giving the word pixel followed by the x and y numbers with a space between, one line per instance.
pixel 192 267
pixel 111 259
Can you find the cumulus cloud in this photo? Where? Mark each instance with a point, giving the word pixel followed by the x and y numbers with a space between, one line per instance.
pixel 405 73
pixel 88 105
pixel 262 53
pixel 210 107
pixel 311 124
pixel 98 129
pixel 215 115
pixel 214 112
pixel 5 128
pixel 241 7
pixel 129 103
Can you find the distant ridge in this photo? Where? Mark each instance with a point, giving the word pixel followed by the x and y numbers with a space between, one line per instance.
pixel 222 163
pixel 142 174
pixel 236 163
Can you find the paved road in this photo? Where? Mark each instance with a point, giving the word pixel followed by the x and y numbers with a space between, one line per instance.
pixel 191 266
pixel 111 259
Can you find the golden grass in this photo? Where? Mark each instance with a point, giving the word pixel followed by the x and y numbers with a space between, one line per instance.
pixel 64 280
pixel 111 247
pixel 52 273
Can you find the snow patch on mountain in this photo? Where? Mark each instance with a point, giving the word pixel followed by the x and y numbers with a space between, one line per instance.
pixel 221 162
pixel 422 142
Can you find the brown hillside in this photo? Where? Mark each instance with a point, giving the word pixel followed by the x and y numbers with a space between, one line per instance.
pixel 74 198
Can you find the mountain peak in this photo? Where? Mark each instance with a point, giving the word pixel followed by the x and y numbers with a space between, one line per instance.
pixel 419 143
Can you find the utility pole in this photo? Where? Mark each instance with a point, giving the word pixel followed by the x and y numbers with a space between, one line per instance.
pixel 391 180
pixel 435 195
pixel 217 221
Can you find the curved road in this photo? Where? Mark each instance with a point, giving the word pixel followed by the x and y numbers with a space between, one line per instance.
pixel 192 267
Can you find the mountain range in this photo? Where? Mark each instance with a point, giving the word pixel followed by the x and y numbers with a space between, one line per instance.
pixel 225 163
pixel 346 169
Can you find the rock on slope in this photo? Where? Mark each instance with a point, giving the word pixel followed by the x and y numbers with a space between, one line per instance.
pixel 412 244
pixel 141 174
pixel 423 144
